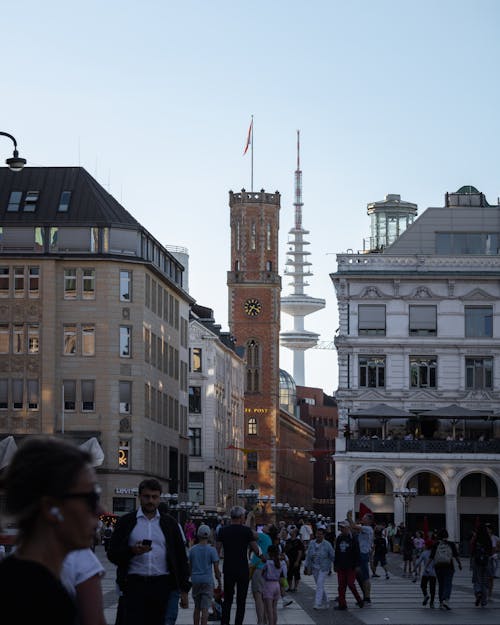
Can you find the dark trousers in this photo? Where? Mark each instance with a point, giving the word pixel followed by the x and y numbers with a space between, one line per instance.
pixel 145 600
pixel 240 580
pixel 347 578
pixel 431 581
pixel 444 576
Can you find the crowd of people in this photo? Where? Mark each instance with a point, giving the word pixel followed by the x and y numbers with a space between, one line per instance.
pixel 52 495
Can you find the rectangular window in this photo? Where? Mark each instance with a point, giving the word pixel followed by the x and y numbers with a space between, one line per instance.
pixel 34 282
pixel 423 370
pixel 17 394
pixel 30 201
pixel 69 389
pixel 69 347
pixel 33 397
pixel 479 373
pixel 252 461
pixel 4 394
pixel 423 320
pixel 372 371
pixel 18 281
pixel 253 237
pixel 18 340
pixel 478 321
pixel 195 441
pixel 125 397
pixel 195 399
pixel 14 201
pixel 33 339
pixel 196 360
pixel 88 283
pixel 4 338
pixel 4 282
pixel 88 395
pixel 125 342
pixel 371 319
pixel 125 286
pixel 88 340
pixel 70 284
pixel 64 202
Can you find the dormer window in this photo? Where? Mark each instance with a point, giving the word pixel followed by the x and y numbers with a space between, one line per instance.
pixel 14 201
pixel 64 202
pixel 30 201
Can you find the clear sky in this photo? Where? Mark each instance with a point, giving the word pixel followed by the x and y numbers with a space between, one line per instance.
pixel 154 99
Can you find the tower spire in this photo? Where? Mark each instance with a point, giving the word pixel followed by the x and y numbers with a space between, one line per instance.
pixel 298 304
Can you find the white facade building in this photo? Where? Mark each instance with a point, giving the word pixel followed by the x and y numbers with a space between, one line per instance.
pixel 216 414
pixel 419 332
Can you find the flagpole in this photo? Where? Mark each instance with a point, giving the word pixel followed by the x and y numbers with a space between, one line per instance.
pixel 251 181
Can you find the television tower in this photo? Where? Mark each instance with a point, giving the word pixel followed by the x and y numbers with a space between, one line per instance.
pixel 298 304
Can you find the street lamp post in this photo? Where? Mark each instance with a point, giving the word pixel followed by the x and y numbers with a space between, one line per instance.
pixel 15 163
pixel 405 494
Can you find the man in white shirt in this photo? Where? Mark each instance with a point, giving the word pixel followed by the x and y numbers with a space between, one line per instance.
pixel 305 532
pixel 150 553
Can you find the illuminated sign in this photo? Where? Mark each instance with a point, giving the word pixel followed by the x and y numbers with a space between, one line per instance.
pixel 257 410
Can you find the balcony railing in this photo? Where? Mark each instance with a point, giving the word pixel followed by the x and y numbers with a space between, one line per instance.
pixel 373 445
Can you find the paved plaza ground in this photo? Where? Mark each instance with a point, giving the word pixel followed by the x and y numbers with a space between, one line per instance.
pixel 397 601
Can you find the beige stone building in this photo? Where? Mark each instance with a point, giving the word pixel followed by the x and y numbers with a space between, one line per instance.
pixel 93 330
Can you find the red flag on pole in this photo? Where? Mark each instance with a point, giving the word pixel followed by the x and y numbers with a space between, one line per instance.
pixel 249 138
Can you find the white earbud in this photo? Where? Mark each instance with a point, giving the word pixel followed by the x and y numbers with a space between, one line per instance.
pixel 55 512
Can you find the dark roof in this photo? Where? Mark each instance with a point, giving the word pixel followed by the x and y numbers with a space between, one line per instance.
pixel 90 203
pixel 381 411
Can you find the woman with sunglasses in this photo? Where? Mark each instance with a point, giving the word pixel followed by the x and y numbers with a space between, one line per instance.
pixel 52 496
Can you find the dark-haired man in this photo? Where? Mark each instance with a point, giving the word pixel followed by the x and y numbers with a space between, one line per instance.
pixel 149 551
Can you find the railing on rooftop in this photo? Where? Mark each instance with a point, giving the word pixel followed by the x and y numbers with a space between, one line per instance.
pixel 373 445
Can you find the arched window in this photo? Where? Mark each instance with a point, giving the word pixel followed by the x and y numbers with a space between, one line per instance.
pixel 252 426
pixel 268 237
pixel 371 483
pixel 253 366
pixel 269 265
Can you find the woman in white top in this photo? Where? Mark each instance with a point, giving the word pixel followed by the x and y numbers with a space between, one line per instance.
pixel 81 575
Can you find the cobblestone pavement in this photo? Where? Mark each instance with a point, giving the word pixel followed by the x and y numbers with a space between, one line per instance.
pixel 397 601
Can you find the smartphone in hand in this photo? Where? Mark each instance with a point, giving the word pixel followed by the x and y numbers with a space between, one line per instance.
pixel 147 543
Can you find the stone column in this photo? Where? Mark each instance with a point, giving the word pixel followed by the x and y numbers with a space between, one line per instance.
pixel 344 500
pixel 451 516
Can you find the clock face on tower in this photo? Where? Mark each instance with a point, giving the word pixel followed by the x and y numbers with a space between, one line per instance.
pixel 252 307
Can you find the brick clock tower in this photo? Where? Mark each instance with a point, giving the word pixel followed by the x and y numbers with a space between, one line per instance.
pixel 254 287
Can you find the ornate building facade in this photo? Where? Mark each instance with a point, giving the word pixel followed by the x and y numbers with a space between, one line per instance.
pixel 419 371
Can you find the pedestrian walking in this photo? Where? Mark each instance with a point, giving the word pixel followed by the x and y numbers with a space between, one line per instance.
pixel 481 551
pixel 379 554
pixel 190 532
pixel 204 565
pixel 407 548
pixel 428 579
pixel 295 551
pixel 347 560
pixel 264 541
pixel 319 559
pixel 418 547
pixel 364 534
pixel 236 539
pixel 274 570
pixel 442 555
pixel 150 553
pixel 52 496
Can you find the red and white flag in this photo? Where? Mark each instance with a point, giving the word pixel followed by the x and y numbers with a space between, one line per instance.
pixel 249 137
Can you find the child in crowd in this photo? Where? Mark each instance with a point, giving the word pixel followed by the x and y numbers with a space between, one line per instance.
pixel 201 559
pixel 274 568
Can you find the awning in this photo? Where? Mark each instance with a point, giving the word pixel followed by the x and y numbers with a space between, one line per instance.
pixel 382 411
pixel 454 411
pixel 95 450
pixel 8 448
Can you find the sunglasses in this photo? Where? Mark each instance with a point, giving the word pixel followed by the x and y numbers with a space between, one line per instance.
pixel 92 498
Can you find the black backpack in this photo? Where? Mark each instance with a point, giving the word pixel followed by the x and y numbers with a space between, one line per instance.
pixel 480 556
